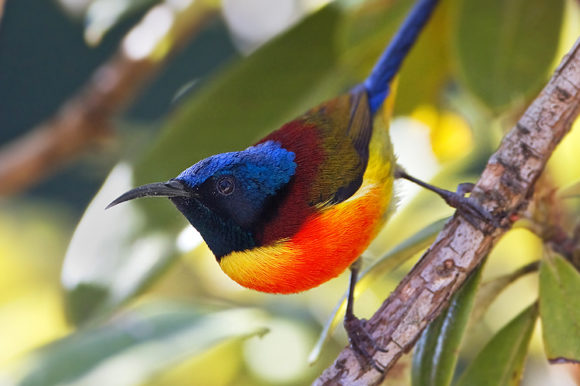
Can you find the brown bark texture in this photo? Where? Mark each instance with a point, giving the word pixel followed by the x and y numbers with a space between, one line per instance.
pixel 504 189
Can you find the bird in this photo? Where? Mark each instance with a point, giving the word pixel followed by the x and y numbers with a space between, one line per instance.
pixel 300 206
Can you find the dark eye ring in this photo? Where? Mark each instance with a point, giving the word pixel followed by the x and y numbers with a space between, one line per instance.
pixel 225 185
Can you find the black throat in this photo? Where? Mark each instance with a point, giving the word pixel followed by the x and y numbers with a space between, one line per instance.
pixel 223 236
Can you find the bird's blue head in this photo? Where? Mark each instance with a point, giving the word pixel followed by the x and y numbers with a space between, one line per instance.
pixel 226 196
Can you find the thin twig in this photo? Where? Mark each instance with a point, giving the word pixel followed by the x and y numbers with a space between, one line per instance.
pixel 504 188
pixel 1 9
pixel 85 119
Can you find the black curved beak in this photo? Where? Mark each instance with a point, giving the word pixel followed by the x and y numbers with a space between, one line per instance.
pixel 171 188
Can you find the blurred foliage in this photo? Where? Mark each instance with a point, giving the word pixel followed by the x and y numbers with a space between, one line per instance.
pixel 501 360
pixel 559 309
pixel 102 15
pixel 32 239
pixel 437 350
pixel 146 302
pixel 150 338
pixel 505 47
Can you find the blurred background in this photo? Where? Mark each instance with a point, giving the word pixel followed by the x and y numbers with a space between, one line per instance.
pixel 97 96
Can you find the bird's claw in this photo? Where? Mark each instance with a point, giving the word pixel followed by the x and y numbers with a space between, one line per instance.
pixel 464 188
pixel 472 211
pixel 362 342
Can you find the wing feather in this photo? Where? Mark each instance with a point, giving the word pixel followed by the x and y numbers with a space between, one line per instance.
pixel 331 144
pixel 345 128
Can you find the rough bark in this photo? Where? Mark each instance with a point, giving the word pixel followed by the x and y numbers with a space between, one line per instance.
pixel 504 189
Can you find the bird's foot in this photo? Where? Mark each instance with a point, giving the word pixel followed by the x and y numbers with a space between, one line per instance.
pixel 469 209
pixel 362 343
pixel 472 211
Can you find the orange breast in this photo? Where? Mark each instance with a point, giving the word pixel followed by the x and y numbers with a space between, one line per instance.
pixel 329 240
pixel 324 247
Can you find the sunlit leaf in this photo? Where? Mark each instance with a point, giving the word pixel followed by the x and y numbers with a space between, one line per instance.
pixel 560 309
pixel 388 262
pixel 437 350
pixel 490 290
pixel 501 361
pixel 572 190
pixel 504 48
pixel 134 346
pixel 416 85
pixel 110 256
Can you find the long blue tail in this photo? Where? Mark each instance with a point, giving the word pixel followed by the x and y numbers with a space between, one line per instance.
pixel 377 84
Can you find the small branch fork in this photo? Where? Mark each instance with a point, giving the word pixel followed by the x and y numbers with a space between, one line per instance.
pixel 504 189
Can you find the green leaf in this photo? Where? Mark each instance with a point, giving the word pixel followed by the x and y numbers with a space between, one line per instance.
pixel 417 86
pixel 110 257
pixel 490 290
pixel 501 361
pixel 505 48
pixel 437 350
pixel 150 339
pixel 386 263
pixel 572 190
pixel 560 309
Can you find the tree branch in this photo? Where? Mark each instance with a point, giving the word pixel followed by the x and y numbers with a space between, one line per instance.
pixel 1 9
pixel 506 185
pixel 85 119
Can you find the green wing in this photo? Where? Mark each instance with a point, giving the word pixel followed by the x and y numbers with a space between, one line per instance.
pixel 344 126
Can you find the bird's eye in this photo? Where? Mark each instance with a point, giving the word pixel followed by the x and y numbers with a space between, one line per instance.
pixel 225 185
